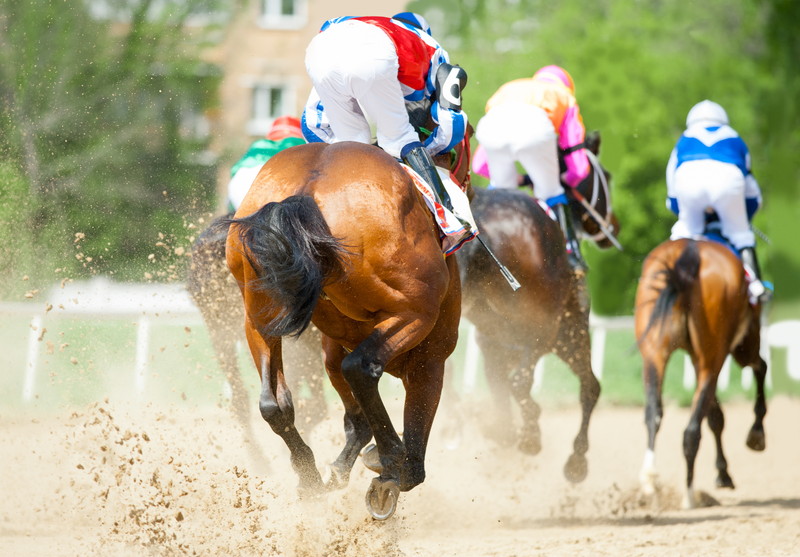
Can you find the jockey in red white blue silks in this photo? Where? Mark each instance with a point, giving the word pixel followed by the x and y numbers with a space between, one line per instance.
pixel 529 121
pixel 365 69
pixel 709 168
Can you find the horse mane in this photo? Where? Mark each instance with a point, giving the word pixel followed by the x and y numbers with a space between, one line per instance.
pixel 679 278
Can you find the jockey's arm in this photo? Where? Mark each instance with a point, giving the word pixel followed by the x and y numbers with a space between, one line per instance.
pixel 752 191
pixel 449 131
pixel 570 134
pixel 315 125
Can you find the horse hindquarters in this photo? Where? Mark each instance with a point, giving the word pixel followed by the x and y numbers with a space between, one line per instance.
pixel 281 256
pixel 667 279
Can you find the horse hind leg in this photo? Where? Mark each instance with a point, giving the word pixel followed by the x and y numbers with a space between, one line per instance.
pixel 703 401
pixel 356 428
pixel 362 369
pixel 574 348
pixel 716 422
pixel 530 438
pixel 756 439
pixel 275 404
pixel 654 411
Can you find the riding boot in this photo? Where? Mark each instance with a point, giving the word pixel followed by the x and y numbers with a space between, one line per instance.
pixel 756 288
pixel 418 158
pixel 574 256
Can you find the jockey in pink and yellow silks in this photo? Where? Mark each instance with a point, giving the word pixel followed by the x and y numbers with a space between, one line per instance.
pixel 529 121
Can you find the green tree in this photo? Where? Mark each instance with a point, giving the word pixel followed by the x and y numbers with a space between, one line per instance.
pixel 98 105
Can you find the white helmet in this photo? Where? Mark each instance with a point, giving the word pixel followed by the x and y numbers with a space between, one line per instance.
pixel 707 112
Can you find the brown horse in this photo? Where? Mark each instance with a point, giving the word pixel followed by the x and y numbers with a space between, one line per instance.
pixel 549 313
pixel 216 295
pixel 337 235
pixel 692 295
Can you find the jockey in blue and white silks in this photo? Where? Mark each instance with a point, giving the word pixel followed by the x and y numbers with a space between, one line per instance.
pixel 365 69
pixel 709 169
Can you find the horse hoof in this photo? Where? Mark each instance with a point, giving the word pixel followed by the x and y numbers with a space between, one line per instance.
pixel 576 469
pixel 335 478
pixel 382 498
pixel 371 458
pixel 756 440
pixel 698 499
pixel 530 446
pixel 725 481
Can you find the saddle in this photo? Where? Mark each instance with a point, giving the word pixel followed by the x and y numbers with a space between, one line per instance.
pixel 452 233
pixel 713 233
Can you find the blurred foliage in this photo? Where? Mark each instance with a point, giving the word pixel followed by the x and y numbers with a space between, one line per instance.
pixel 100 160
pixel 639 66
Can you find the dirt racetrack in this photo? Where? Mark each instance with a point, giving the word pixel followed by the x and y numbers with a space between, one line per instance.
pixel 130 480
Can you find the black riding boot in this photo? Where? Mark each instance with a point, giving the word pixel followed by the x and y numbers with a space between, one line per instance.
pixel 757 288
pixel 574 256
pixel 420 160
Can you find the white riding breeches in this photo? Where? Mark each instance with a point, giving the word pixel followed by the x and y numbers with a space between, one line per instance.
pixel 517 132
pixel 353 66
pixel 704 184
pixel 240 184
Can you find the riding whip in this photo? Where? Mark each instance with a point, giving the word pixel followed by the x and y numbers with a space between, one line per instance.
pixel 515 285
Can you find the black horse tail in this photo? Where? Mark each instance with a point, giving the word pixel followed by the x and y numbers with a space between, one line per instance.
pixel 294 254
pixel 680 277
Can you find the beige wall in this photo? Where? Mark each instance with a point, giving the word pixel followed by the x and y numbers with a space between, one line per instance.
pixel 250 54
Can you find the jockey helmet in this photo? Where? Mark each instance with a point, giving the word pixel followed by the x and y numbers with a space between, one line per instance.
pixel 557 74
pixel 283 127
pixel 707 112
pixel 415 20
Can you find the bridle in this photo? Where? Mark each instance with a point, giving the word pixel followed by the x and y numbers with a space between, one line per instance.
pixel 599 183
pixel 458 160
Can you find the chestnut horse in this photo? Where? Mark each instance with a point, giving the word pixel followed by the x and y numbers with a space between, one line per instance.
pixel 692 295
pixel 550 313
pixel 338 236
pixel 216 295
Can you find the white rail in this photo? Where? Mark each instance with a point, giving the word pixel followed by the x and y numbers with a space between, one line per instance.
pixel 102 299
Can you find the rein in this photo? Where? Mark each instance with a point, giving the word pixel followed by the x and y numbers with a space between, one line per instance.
pixel 599 181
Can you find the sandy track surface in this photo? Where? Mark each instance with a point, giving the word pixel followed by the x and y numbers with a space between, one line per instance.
pixel 124 480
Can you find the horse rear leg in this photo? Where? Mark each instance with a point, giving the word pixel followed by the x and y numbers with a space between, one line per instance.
pixel 702 402
pixel 747 354
pixel 275 403
pixel 499 425
pixel 756 439
pixel 423 383
pixel 653 378
pixel 356 428
pixel 716 422
pixel 574 348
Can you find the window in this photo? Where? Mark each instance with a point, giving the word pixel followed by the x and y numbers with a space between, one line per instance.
pixel 270 100
pixel 282 14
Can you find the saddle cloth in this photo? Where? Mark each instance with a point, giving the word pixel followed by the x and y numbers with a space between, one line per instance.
pixel 451 232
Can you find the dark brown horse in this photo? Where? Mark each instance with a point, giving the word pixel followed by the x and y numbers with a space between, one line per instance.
pixel 692 295
pixel 549 313
pixel 337 235
pixel 217 296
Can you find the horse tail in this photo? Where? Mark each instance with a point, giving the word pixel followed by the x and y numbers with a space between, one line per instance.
pixel 290 247
pixel 680 277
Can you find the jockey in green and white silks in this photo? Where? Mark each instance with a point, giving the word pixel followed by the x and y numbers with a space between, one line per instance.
pixel 709 169
pixel 284 133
